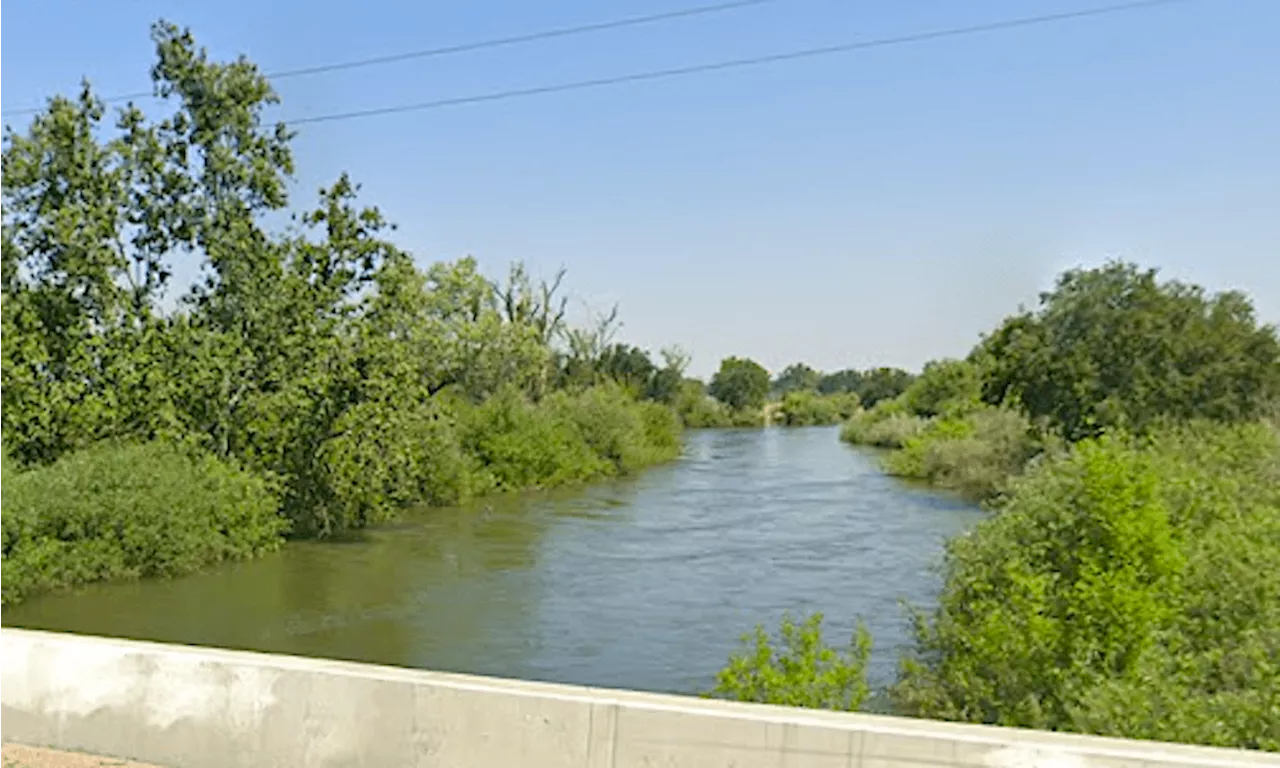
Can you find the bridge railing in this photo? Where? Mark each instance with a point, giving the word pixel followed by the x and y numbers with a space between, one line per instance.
pixel 194 707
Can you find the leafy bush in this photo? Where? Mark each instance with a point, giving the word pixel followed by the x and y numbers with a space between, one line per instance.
pixel 628 434
pixel 746 418
pixel 974 454
pixel 315 356
pixel 128 510
pixel 884 426
pixel 798 669
pixel 802 408
pixel 386 456
pixel 698 410
pixel 1127 588
pixel 568 438
pixel 520 445
pixel 943 385
pixel 662 431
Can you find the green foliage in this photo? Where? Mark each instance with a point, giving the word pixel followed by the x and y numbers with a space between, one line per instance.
pixel 871 386
pixel 320 356
pixel 1113 347
pixel 797 377
pixel 124 511
pixel 804 408
pixel 662 432
pixel 798 668
pixel 667 383
pixel 740 383
pixel 848 380
pixel 627 365
pixel 1127 588
pixel 568 438
pixel 880 384
pixel 697 409
pixel 974 453
pixel 520 445
pixel 887 425
pixel 386 456
pixel 944 385
pixel 626 434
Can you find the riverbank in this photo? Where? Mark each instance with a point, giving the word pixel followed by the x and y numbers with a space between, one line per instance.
pixel 131 510
pixel 642 582
pixel 1124 437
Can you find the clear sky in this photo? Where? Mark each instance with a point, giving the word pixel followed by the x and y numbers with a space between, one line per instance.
pixel 880 207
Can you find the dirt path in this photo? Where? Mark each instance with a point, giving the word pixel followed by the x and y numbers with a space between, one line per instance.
pixel 18 756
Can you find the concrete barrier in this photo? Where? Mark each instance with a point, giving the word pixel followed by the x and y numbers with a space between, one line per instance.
pixel 180 706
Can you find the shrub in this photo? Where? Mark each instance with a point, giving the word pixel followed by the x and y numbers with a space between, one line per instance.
pixel 662 430
pixel 8 467
pixel 386 456
pixel 746 418
pixel 697 409
pixel 974 454
pixel 805 408
pixel 740 383
pixel 520 445
pixel 942 386
pixel 798 669
pixel 1126 588
pixel 704 413
pixel 116 511
pixel 884 426
pixel 568 438
pixel 628 434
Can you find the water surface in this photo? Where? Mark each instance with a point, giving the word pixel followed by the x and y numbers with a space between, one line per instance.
pixel 643 583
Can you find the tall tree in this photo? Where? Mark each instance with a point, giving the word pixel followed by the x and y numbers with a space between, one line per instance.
pixel 1114 347
pixel 796 377
pixel 740 383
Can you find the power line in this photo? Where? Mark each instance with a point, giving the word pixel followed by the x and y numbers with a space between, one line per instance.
pixel 530 37
pixel 660 74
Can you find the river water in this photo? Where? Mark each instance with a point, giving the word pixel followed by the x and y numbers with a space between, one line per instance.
pixel 644 583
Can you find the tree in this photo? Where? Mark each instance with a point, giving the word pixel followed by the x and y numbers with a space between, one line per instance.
pixel 740 383
pixel 796 377
pixel 318 355
pixel 943 384
pixel 1113 347
pixel 841 381
pixel 1128 588
pixel 664 386
pixel 882 384
pixel 628 365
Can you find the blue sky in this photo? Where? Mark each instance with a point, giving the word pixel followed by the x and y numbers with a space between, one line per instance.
pixel 881 207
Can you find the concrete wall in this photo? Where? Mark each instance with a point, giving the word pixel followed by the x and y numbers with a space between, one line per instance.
pixel 181 706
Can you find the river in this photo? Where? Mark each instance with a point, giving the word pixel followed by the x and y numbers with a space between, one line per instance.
pixel 644 583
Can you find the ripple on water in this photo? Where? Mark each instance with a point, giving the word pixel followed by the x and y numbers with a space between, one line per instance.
pixel 644 583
